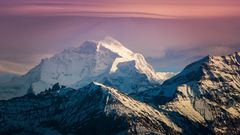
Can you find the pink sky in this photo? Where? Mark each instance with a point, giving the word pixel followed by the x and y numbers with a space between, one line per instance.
pixel 174 33
pixel 123 8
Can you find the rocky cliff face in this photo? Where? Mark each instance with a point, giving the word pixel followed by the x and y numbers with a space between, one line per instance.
pixel 208 92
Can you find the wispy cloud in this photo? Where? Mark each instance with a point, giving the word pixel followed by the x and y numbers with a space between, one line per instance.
pixel 11 67
pixel 107 8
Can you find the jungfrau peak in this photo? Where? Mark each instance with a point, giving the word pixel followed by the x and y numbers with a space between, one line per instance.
pixel 106 61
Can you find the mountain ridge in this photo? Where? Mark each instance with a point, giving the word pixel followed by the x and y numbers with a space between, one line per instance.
pixel 78 111
pixel 208 91
pixel 122 90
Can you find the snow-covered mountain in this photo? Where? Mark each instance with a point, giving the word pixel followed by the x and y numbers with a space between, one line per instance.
pixel 94 109
pixel 208 92
pixel 103 77
pixel 106 61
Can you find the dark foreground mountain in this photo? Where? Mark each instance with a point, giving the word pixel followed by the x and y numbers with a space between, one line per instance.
pixel 94 109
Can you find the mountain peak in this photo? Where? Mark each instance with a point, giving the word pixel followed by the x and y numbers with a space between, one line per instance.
pixel 115 46
pixel 195 70
pixel 111 40
pixel 109 43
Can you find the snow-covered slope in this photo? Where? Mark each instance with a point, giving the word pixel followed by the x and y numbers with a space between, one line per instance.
pixel 163 76
pixel 94 109
pixel 106 61
pixel 208 92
